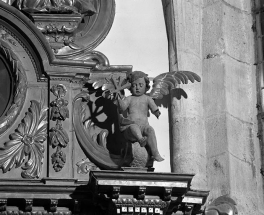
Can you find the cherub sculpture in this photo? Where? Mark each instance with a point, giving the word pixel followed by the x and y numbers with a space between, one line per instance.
pixel 135 127
pixel 137 106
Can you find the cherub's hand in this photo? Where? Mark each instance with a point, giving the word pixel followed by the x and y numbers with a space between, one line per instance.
pixel 157 113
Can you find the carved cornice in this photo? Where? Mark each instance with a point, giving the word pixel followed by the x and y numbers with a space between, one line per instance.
pixel 146 193
pixel 46 188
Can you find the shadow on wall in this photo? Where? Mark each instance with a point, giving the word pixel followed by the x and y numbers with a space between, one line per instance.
pixel 178 93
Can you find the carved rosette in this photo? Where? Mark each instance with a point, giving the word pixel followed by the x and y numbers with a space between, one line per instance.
pixel 58 136
pixel 27 141
pixel 19 79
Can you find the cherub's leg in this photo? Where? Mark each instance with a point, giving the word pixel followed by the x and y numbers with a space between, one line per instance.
pixel 152 143
pixel 133 133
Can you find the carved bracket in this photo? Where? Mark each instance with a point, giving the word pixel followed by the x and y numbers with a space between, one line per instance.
pixel 53 205
pixel 141 192
pixel 167 193
pixel 76 209
pixel 115 192
pixel 3 203
pixel 28 205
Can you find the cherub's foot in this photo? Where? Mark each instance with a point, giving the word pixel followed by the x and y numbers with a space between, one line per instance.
pixel 143 141
pixel 158 158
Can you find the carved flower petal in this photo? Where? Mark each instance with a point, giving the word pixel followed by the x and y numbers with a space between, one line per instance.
pixel 15 136
pixel 12 154
pixel 21 129
pixel 34 113
pixel 40 138
pixel 33 166
pixel 28 122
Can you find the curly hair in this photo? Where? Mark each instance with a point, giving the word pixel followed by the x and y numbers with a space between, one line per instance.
pixel 133 76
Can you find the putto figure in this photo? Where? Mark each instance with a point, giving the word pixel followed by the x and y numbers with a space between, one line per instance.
pixel 137 106
pixel 135 126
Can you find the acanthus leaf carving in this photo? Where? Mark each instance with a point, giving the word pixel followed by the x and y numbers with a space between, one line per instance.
pixel 27 141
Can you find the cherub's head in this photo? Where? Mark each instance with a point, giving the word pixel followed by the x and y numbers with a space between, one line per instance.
pixel 139 83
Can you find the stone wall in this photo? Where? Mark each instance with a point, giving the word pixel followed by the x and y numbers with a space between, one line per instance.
pixel 215 129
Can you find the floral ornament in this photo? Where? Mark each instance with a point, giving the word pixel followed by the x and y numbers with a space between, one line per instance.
pixel 59 90
pixel 58 160
pixel 59 109
pixel 58 136
pixel 27 141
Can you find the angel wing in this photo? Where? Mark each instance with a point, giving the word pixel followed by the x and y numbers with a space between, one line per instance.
pixel 163 83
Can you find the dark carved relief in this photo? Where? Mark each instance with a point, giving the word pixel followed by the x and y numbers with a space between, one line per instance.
pixel 19 82
pixel 58 136
pixel 27 141
pixel 59 6
pixel 5 36
pixel 70 26
pixel 221 206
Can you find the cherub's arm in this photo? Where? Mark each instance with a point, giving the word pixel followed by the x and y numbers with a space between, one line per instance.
pixel 123 103
pixel 153 107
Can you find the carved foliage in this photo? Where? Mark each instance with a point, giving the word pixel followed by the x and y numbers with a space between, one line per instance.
pixel 85 166
pixel 27 141
pixel 20 83
pixel 58 136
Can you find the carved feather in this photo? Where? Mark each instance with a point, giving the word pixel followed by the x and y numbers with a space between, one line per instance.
pixel 163 83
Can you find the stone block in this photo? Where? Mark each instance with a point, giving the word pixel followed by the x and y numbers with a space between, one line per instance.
pixel 188 28
pixel 208 3
pixel 188 148
pixel 243 185
pixel 218 175
pixel 243 6
pixel 240 137
pixel 240 90
pixel 216 135
pixel 212 40
pixel 238 35
pixel 188 130
pixel 213 87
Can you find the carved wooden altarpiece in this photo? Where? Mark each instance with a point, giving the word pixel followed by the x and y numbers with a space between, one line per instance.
pixel 61 151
